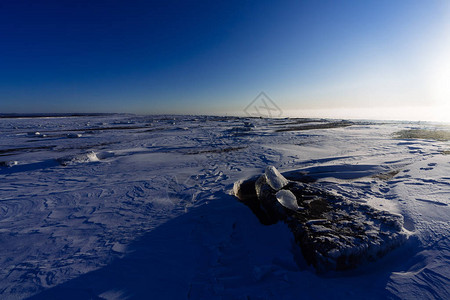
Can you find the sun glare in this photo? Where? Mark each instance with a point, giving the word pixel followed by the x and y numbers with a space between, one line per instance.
pixel 437 72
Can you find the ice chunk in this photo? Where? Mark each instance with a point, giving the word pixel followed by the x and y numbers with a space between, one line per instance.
pixel 105 154
pixel 275 179
pixel 34 133
pixel 8 164
pixel 287 199
pixel 76 159
pixel 92 156
pixel 333 232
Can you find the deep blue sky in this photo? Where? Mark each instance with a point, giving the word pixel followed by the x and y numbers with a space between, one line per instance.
pixel 216 56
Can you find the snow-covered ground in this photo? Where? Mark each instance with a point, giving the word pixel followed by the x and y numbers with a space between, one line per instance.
pixel 123 207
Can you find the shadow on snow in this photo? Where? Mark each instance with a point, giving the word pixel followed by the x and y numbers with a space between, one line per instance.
pixel 220 250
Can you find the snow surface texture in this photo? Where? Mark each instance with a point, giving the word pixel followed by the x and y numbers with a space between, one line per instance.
pixel 333 232
pixel 151 217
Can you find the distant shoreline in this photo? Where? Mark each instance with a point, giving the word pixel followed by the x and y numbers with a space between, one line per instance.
pixel 75 115
pixel 51 115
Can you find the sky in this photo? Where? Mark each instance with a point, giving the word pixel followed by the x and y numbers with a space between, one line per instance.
pixel 342 59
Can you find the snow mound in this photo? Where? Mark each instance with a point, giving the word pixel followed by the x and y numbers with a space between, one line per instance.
pixel 332 232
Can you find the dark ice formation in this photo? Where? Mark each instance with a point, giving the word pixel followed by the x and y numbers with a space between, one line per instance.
pixel 333 233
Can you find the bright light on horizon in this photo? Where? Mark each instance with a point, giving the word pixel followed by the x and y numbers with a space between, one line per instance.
pixel 407 113
pixel 415 87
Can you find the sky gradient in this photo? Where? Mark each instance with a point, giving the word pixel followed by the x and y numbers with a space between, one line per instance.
pixel 343 59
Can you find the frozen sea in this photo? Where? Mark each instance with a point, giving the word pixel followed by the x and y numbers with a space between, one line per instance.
pixel 141 207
